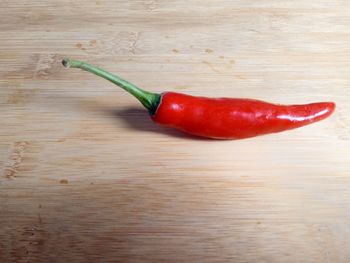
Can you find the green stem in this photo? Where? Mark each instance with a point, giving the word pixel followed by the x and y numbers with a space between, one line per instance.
pixel 148 99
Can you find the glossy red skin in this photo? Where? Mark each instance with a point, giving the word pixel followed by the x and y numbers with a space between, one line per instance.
pixel 230 118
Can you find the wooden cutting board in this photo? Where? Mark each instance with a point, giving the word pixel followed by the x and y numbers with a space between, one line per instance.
pixel 87 177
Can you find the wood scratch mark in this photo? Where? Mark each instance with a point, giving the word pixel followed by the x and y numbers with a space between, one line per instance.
pixel 15 159
pixel 93 42
pixel 124 42
pixel 239 76
pixel 231 63
pixel 46 65
pixel 212 67
pixel 78 45
pixel 31 242
pixel 134 38
pixel 151 5
pixel 253 30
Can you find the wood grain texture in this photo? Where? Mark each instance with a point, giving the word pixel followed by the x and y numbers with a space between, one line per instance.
pixel 85 176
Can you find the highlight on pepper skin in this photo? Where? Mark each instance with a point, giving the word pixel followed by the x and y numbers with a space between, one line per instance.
pixel 216 118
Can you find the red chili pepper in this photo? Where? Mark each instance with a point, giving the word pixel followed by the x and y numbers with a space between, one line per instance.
pixel 218 118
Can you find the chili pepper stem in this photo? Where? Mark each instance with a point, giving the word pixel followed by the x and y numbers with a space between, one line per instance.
pixel 148 99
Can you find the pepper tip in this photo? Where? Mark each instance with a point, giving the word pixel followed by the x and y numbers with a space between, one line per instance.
pixel 332 107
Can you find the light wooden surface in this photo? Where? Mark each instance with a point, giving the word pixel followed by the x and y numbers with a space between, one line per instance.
pixel 87 177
